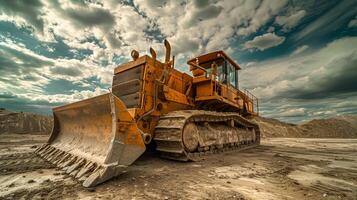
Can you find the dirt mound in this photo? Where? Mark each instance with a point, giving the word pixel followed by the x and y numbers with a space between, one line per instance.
pixel 20 122
pixel 339 127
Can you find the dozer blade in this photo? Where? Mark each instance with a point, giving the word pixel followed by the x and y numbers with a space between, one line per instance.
pixel 93 140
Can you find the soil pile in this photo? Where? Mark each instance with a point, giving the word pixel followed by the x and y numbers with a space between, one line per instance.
pixel 338 127
pixel 20 122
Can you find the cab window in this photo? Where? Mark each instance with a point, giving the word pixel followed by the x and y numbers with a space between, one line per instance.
pixel 221 72
pixel 232 75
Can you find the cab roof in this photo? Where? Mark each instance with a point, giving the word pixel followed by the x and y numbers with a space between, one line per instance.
pixel 214 56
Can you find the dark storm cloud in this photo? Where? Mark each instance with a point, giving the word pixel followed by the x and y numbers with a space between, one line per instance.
pixel 208 12
pixel 28 10
pixel 7 96
pixel 29 77
pixel 339 14
pixel 204 10
pixel 309 108
pixel 157 3
pixel 91 17
pixel 86 16
pixel 16 103
pixel 70 71
pixel 113 41
pixel 201 3
pixel 14 61
pixel 339 78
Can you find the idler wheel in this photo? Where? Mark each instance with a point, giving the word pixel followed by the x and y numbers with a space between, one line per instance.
pixel 190 137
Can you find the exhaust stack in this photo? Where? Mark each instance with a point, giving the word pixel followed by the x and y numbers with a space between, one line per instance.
pixel 168 51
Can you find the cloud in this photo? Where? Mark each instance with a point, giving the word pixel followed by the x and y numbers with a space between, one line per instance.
pixel 293 112
pixel 119 27
pixel 202 26
pixel 88 17
pixel 69 71
pixel 44 102
pixel 24 10
pixel 204 10
pixel 353 23
pixel 299 50
pixel 327 22
pixel 288 22
pixel 291 75
pixel 19 68
pixel 85 40
pixel 27 74
pixel 338 76
pixel 6 95
pixel 324 113
pixel 265 41
pixel 317 81
pixel 92 19
pixel 64 98
pixel 265 11
pixel 314 108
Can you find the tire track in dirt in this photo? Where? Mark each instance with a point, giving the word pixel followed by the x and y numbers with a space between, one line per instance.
pixel 21 162
pixel 46 190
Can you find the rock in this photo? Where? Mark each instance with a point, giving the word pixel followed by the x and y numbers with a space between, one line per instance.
pixel 11 185
pixel 31 181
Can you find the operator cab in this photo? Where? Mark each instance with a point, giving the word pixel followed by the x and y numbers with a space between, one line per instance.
pixel 217 64
pixel 215 79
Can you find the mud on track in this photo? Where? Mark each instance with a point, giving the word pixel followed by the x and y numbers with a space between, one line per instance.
pixel 280 168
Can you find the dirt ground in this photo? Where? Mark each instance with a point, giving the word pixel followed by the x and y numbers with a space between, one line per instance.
pixel 281 168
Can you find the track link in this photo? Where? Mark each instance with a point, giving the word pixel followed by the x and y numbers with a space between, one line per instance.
pixel 236 133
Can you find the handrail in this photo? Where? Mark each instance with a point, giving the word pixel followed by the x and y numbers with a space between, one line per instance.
pixel 253 99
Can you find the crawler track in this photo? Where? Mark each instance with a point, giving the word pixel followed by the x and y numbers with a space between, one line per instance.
pixel 192 135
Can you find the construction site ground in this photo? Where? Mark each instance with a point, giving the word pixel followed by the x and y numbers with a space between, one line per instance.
pixel 281 168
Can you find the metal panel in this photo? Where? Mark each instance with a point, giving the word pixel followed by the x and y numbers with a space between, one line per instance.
pixel 131 100
pixel 126 88
pixel 127 85
pixel 128 75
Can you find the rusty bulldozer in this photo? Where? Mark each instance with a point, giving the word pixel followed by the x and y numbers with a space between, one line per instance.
pixel 186 117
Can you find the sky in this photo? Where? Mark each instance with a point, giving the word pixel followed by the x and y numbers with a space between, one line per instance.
pixel 298 57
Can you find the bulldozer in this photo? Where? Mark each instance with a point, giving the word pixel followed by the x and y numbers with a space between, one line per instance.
pixel 185 117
